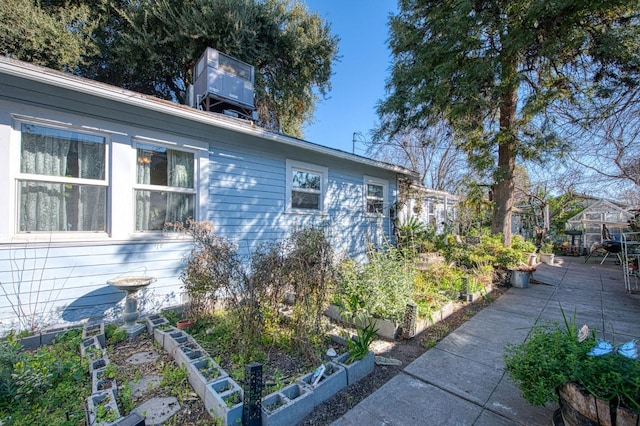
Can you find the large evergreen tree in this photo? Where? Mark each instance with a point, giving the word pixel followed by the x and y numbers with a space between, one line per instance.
pixel 151 46
pixel 496 69
pixel 52 34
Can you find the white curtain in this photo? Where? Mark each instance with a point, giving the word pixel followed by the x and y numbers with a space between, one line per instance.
pixel 143 198
pixel 180 175
pixel 91 199
pixel 43 204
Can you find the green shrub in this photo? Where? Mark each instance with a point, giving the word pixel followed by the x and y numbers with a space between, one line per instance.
pixel 553 355
pixel 411 235
pixel 382 287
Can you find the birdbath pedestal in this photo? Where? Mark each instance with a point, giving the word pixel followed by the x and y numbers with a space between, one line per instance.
pixel 131 285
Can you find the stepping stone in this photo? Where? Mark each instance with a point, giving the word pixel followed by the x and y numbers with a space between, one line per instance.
pixel 158 410
pixel 143 357
pixel 144 385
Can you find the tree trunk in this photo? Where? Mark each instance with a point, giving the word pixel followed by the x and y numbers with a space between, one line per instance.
pixel 504 177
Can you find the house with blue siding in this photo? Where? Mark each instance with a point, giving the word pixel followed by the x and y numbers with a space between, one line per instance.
pixel 92 172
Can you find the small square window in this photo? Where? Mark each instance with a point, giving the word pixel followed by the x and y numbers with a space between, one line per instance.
pixel 306 185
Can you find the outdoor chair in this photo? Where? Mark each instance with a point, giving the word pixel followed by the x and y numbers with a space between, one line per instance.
pixel 607 247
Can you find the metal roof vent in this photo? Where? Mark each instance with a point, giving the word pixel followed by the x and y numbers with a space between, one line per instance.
pixel 221 81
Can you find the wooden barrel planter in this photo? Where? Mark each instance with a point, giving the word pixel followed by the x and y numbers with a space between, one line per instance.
pixel 583 409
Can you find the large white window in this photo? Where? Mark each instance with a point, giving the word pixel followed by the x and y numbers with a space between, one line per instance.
pixel 375 191
pixel 62 182
pixel 165 186
pixel 73 181
pixel 306 187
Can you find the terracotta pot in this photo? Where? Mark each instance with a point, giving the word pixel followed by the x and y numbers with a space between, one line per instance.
pixel 185 324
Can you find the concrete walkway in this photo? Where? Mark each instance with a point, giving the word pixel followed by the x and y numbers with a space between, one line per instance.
pixel 461 381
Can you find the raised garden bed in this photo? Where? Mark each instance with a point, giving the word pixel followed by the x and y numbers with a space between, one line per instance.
pixel 223 397
pixel 390 330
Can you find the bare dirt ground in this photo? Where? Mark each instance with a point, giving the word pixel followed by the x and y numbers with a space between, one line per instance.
pixel 192 410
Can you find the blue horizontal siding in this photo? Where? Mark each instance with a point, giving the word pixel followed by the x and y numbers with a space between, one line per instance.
pixel 246 202
pixel 70 281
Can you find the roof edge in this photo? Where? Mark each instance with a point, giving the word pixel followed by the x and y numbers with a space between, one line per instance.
pixel 68 81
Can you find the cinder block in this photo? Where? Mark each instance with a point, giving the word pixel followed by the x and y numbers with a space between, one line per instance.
pixel 204 371
pixel 288 406
pixel 359 369
pixel 333 380
pixel 224 399
pixel 106 399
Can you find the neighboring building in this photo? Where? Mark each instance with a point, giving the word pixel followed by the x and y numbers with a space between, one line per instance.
pixel 92 172
pixel 597 215
pixel 432 207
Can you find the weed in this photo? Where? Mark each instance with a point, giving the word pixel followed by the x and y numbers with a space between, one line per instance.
pixel 114 334
pixel 46 384
pixel 429 343
pixel 110 371
pixel 233 399
pixel 125 395
pixel 106 414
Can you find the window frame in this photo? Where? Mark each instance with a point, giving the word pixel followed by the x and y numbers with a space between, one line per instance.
pixel 370 180
pixel 293 166
pixel 135 186
pixel 19 177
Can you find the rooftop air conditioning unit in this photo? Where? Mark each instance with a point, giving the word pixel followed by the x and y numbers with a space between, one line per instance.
pixel 223 78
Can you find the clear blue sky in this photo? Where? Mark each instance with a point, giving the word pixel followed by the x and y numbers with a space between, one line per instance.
pixel 359 76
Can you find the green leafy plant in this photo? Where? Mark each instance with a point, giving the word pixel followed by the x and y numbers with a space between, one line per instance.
pixel 114 334
pixel 547 248
pixel 125 396
pixel 412 234
pixel 358 346
pixel 553 356
pixel 45 383
pixel 381 288
pixel 110 371
pixel 104 413
pixel 174 380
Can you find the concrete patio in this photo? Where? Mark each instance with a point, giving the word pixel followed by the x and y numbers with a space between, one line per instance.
pixel 461 381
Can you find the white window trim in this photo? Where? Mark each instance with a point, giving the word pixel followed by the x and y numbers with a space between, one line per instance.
pixel 120 154
pixel 385 195
pixel 17 176
pixel 292 165
pixel 199 162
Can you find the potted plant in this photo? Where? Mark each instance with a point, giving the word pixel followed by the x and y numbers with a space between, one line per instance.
pixel 520 272
pixel 594 382
pixel 546 253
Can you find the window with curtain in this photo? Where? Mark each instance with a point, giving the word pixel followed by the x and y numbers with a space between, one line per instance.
pixel 165 188
pixel 62 184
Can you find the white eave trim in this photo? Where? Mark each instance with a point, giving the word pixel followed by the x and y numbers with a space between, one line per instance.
pixel 37 73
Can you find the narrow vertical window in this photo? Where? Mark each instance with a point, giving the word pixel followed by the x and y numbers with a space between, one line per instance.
pixel 165 187
pixel 375 195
